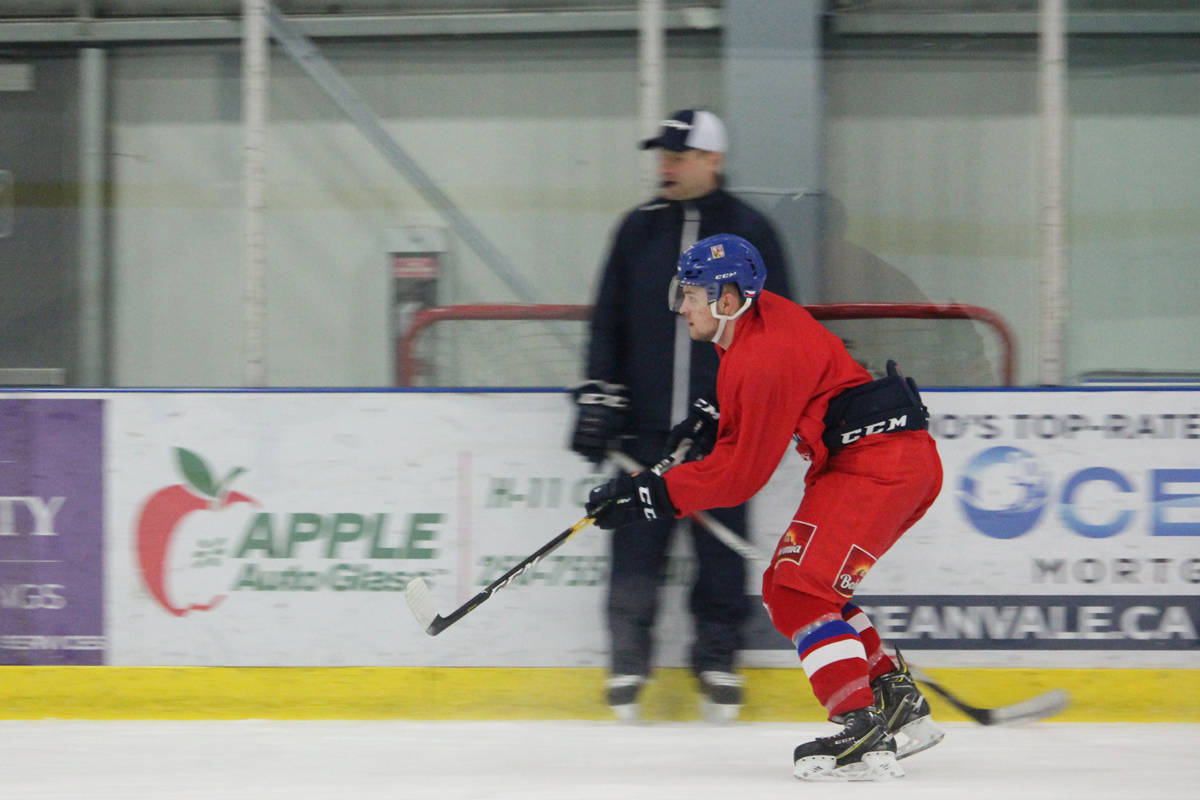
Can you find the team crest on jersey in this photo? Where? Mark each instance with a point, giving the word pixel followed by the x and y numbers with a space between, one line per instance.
pixel 717 250
pixel 856 566
pixel 794 542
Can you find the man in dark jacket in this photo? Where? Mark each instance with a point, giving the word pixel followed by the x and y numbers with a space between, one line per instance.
pixel 643 374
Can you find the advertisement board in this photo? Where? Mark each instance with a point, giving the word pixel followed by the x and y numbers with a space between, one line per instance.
pixel 51 532
pixel 280 528
pixel 1069 521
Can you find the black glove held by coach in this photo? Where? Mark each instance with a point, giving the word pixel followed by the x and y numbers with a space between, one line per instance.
pixel 602 410
pixel 630 498
pixel 700 426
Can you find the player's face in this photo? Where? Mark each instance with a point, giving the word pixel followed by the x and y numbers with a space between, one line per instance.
pixel 688 175
pixel 702 325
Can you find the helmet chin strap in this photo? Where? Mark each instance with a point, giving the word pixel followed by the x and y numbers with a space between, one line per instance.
pixel 712 308
pixel 720 329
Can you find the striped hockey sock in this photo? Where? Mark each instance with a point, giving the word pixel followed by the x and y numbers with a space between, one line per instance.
pixel 835 661
pixel 879 660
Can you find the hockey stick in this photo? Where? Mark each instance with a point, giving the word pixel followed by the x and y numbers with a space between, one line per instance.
pixel 1043 705
pixel 726 536
pixel 420 598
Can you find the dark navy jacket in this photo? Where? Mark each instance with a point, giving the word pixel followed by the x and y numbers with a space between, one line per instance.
pixel 633 331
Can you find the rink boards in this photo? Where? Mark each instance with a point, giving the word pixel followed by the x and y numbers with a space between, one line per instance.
pixel 173 537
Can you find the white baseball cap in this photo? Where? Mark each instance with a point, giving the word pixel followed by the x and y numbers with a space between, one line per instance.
pixel 690 130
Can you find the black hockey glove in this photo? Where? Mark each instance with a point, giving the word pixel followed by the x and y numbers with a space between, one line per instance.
pixel 700 426
pixel 630 498
pixel 602 412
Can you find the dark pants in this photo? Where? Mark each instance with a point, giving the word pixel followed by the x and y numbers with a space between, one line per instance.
pixel 718 600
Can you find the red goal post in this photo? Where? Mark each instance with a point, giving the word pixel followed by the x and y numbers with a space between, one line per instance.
pixel 562 332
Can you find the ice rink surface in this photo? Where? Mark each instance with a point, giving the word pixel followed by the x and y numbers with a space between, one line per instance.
pixel 298 760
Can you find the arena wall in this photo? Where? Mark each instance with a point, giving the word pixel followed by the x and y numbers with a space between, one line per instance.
pixel 236 554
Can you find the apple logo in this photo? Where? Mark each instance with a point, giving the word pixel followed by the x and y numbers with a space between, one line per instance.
pixel 165 511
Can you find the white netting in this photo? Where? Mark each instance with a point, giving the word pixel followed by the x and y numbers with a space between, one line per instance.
pixel 542 345
pixel 511 346
pixel 935 352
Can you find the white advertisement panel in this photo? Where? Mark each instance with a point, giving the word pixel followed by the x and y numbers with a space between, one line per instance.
pixel 1067 532
pixel 280 528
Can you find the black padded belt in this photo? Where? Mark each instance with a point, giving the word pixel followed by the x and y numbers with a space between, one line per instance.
pixel 887 405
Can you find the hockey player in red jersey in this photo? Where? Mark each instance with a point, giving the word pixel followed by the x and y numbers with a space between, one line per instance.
pixel 874 470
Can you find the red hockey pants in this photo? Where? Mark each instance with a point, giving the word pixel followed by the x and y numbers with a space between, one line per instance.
pixel 853 511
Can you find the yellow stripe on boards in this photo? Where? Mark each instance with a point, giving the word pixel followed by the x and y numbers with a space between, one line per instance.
pixel 493 693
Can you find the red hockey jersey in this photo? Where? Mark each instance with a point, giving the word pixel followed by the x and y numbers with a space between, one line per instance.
pixel 774 383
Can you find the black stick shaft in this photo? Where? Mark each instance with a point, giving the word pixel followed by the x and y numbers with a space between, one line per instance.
pixel 441 623
pixel 981 715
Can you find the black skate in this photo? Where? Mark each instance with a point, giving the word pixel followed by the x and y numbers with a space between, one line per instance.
pixel 722 695
pixel 621 693
pixel 863 751
pixel 905 711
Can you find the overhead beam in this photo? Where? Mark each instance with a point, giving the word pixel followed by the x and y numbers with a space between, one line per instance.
pixel 99 31
pixel 867 23
pixel 348 26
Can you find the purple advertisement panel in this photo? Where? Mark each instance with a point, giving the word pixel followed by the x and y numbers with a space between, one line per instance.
pixel 51 532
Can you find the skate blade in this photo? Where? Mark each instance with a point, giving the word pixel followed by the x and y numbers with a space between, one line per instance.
pixel 719 713
pixel 629 712
pixel 918 735
pixel 877 766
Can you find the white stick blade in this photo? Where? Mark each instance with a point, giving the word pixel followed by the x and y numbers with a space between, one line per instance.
pixel 420 600
pixel 1033 709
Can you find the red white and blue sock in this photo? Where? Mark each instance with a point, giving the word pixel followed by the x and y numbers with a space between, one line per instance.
pixel 879 660
pixel 835 661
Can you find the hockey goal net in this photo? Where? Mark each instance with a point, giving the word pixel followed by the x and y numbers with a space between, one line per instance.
pixel 516 345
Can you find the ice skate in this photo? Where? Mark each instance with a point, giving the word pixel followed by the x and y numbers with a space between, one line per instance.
pixel 722 695
pixel 864 750
pixel 905 711
pixel 621 694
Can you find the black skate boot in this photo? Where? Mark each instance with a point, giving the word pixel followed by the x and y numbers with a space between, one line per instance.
pixel 905 711
pixel 863 751
pixel 722 695
pixel 621 692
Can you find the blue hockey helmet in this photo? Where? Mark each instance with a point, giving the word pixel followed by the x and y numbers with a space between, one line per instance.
pixel 713 262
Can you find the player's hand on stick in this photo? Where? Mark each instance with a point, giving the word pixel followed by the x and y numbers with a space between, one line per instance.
pixel 700 426
pixel 602 409
pixel 630 498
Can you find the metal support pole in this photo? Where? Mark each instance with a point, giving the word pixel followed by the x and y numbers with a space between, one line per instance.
pixel 255 74
pixel 1052 296
pixel 651 68
pixel 92 111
